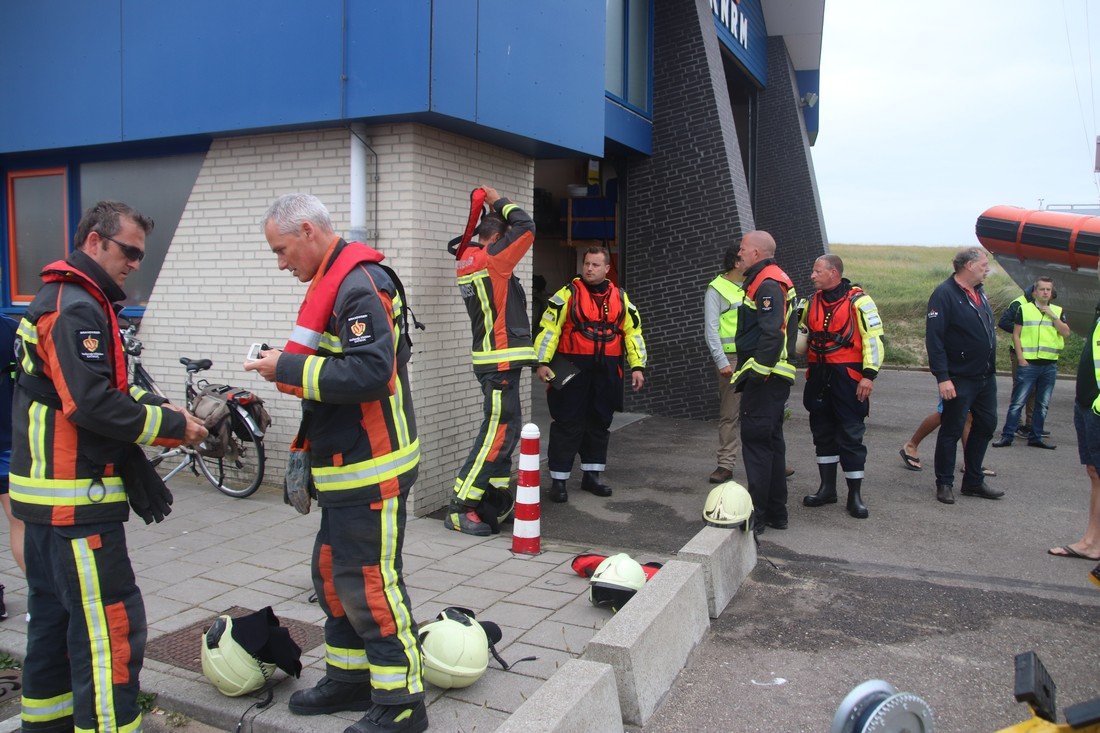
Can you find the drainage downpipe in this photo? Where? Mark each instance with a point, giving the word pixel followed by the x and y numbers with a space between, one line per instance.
pixel 363 226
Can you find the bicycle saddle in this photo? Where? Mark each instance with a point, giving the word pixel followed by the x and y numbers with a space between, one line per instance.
pixel 196 365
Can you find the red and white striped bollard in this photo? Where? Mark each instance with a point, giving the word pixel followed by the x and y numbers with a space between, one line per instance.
pixel 526 528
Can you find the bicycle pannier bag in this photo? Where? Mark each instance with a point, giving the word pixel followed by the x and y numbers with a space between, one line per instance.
pixel 211 407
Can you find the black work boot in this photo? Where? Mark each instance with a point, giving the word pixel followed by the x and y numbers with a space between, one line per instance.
pixel 392 719
pixel 331 696
pixel 590 482
pixel 558 492
pixel 855 501
pixel 826 493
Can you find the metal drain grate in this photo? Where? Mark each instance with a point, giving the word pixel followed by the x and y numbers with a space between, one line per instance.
pixel 181 648
pixel 11 684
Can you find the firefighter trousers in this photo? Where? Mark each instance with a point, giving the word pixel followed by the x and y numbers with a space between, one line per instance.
pixel 762 446
pixel 489 464
pixel 369 632
pixel 86 637
pixel 582 412
pixel 836 417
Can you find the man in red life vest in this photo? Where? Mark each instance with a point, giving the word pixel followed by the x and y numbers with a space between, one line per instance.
pixel 764 375
pixel 594 325
pixel 76 421
pixel 501 328
pixel 845 354
pixel 346 360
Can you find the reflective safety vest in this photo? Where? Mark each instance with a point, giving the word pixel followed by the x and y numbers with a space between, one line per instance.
pixel 782 367
pixel 1039 339
pixel 727 321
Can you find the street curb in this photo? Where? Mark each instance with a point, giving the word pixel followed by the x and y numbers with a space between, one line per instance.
pixel 727 557
pixel 591 702
pixel 649 640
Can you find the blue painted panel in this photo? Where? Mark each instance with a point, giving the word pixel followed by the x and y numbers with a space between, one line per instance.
pixel 59 73
pixel 740 28
pixel 454 58
pixel 810 81
pixel 628 128
pixel 208 65
pixel 389 47
pixel 540 71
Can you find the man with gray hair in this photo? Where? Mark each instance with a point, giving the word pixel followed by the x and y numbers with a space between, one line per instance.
pixel 962 350
pixel 346 360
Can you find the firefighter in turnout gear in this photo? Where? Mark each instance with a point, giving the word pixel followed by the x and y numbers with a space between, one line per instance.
pixel 347 360
pixel 764 375
pixel 75 423
pixel 497 307
pixel 845 351
pixel 592 325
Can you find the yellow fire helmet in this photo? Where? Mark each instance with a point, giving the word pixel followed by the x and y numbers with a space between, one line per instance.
pixel 729 505
pixel 456 648
pixel 228 665
pixel 615 581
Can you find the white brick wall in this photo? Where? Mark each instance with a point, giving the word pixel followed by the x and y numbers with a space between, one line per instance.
pixel 220 289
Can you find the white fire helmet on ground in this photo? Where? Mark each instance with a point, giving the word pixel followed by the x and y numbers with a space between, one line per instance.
pixel 228 665
pixel 729 505
pixel 615 581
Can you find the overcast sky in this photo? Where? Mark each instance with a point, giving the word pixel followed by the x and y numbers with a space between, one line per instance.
pixel 932 112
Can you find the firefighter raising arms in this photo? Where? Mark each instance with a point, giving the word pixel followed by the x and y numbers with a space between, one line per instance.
pixel 845 354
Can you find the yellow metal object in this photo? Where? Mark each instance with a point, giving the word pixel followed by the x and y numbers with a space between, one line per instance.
pixel 1038 725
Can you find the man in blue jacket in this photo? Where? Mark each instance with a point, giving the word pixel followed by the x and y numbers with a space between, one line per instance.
pixel 962 347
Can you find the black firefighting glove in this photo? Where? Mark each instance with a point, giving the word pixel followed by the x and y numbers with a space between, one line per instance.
pixel 148 496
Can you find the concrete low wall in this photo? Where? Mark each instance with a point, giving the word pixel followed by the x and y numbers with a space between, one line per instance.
pixel 727 557
pixel 648 641
pixel 579 698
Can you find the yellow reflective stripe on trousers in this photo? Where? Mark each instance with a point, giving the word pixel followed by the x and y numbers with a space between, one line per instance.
pixel 47 709
pixel 371 471
pixel 311 378
pixel 99 640
pixel 388 678
pixel 66 492
pixel 36 436
pixel 154 417
pixel 130 727
pixel 464 487
pixel 343 658
pixel 410 676
pixel 518 353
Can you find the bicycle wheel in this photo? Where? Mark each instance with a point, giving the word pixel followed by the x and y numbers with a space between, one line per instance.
pixel 239 472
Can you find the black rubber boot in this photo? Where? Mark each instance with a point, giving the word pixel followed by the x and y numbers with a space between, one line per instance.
pixel 558 493
pixel 331 696
pixel 590 482
pixel 855 501
pixel 392 719
pixel 826 493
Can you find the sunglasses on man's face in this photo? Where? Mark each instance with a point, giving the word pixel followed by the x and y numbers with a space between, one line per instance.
pixel 129 251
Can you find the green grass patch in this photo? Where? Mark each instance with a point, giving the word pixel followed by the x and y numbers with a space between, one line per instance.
pixel 901 278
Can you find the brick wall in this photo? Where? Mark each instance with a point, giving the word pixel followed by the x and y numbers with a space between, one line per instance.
pixel 220 289
pixel 787 202
pixel 685 205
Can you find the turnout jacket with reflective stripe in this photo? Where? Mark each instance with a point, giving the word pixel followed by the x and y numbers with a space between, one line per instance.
pixel 494 297
pixel 64 463
pixel 362 433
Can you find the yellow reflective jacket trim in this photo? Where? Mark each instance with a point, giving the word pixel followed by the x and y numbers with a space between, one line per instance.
pixel 870 332
pixel 66 492
pixel 485 301
pixel 154 420
pixel 472 276
pixel 518 353
pixel 99 640
pixel 43 710
pixel 331 343
pixel 311 377
pixel 397 409
pixel 36 437
pixel 371 471
pixel 346 658
pixel 506 210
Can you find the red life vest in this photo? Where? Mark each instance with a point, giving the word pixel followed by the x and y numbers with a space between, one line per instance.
pixel 834 336
pixel 770 272
pixel 61 272
pixel 594 325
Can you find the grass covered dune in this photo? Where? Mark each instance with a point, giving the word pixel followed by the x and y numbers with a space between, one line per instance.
pixel 900 279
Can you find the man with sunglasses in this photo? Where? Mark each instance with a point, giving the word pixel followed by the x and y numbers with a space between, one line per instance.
pixel 76 422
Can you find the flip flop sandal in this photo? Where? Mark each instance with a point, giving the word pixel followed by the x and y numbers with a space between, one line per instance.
pixel 911 462
pixel 1067 551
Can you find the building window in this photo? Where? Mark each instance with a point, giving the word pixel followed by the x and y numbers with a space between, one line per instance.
pixel 38 227
pixel 158 188
pixel 628 59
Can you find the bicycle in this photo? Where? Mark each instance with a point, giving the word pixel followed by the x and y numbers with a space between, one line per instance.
pixel 236 465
